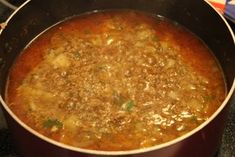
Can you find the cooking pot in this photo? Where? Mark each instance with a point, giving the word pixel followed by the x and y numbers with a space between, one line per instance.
pixel 34 16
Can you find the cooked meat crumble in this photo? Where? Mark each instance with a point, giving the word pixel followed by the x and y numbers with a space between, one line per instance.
pixel 115 80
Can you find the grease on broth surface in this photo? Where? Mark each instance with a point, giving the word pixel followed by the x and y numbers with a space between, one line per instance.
pixel 115 80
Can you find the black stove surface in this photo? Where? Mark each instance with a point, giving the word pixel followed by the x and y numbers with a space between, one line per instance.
pixel 227 148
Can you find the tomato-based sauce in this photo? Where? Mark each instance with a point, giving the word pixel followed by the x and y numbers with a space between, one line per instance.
pixel 115 80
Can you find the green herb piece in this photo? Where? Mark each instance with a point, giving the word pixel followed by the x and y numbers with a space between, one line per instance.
pixel 102 66
pixel 128 105
pixel 77 54
pixel 50 123
pixel 194 118
pixel 208 98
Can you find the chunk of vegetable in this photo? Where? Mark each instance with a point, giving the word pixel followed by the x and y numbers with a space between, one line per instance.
pixel 50 123
pixel 61 61
pixel 118 98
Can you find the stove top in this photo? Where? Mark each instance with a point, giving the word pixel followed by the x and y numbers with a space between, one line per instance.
pixel 227 148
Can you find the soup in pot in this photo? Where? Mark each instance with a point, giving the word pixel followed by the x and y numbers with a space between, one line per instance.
pixel 115 80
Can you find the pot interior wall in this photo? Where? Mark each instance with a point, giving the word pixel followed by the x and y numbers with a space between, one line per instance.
pixel 37 15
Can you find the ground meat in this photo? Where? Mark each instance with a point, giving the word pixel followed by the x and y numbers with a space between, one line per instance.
pixel 115 80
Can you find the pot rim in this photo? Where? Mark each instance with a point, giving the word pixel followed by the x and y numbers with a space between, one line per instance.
pixel 126 152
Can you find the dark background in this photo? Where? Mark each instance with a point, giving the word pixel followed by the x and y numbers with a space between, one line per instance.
pixel 227 148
